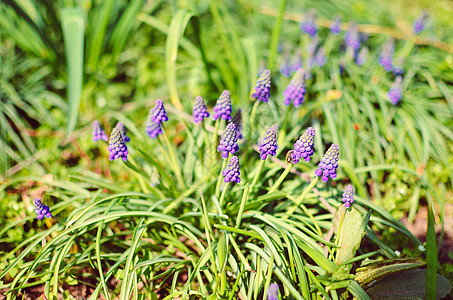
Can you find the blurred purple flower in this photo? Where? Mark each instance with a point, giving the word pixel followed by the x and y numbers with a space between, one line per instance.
pixel 263 87
pixel 159 114
pixel 223 107
pixel 419 24
pixel 117 144
pixel 237 120
pixel 199 110
pixel 329 164
pixel 348 196
pixel 295 91
pixel 361 56
pixel 352 37
pixel 303 148
pixel 308 25
pixel 228 142
pixel 231 171
pixel 98 132
pixel 395 93
pixel 335 26
pixel 268 146
pixel 153 130
pixel 320 58
pixel 41 210
pixel 386 57
pixel 272 292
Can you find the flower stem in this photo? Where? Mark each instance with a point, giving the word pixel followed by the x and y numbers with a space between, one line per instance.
pixel 281 178
pixel 219 179
pixel 252 118
pixel 214 141
pixel 301 197
pixel 258 173
pixel 174 162
pixel 225 189
pixel 244 199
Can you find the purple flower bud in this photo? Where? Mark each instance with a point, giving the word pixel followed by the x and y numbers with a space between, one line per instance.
pixel 268 146
pixel 386 57
pixel 98 132
pixel 231 171
pixel 263 87
pixel 159 114
pixel 352 37
pixel 41 210
pixel 237 120
pixel 320 58
pixel 272 292
pixel 398 70
pixel 395 93
pixel 228 142
pixel 308 25
pixel 361 56
pixel 335 26
pixel 329 164
pixel 419 24
pixel 348 196
pixel 304 146
pixel 199 110
pixel 223 107
pixel 117 143
pixel 295 91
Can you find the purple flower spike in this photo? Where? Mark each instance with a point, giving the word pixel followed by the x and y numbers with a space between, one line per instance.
pixel 329 164
pixel 237 120
pixel 159 114
pixel 199 110
pixel 320 58
pixel 352 37
pixel 295 91
pixel 41 210
pixel 268 146
pixel 117 144
pixel 419 24
pixel 361 56
pixel 98 132
pixel 153 130
pixel 308 25
pixel 231 171
pixel 223 107
pixel 303 148
pixel 335 26
pixel 386 57
pixel 228 142
pixel 272 292
pixel 395 93
pixel 263 87
pixel 348 196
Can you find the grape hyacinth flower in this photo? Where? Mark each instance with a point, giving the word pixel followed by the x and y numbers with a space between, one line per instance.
pixel 98 132
pixel 419 24
pixel 386 57
pixel 329 164
pixel 348 196
pixel 263 87
pixel 320 58
pixel 361 56
pixel 41 210
pixel 295 91
pixel 395 93
pixel 199 110
pixel 223 107
pixel 268 146
pixel 159 114
pixel 272 292
pixel 237 120
pixel 308 25
pixel 228 142
pixel 231 171
pixel 153 130
pixel 117 144
pixel 303 148
pixel 335 26
pixel 352 37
